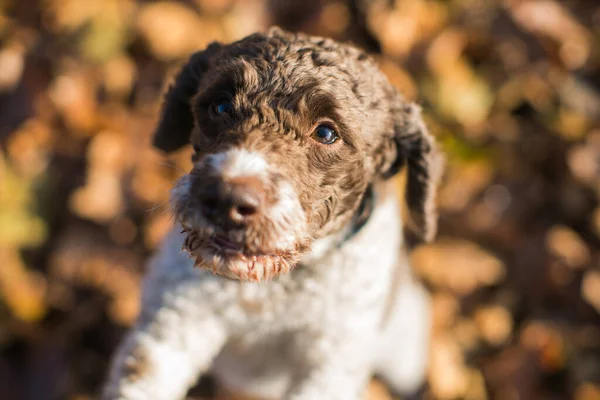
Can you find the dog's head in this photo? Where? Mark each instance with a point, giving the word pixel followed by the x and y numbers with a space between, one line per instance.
pixel 288 132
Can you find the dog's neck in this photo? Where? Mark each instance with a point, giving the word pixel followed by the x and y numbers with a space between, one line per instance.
pixel 361 216
pixel 371 199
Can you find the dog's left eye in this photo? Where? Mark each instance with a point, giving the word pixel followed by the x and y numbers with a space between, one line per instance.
pixel 324 134
pixel 223 108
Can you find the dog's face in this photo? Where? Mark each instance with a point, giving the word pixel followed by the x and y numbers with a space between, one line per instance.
pixel 288 133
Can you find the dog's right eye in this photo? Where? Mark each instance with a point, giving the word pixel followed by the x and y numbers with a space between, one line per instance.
pixel 325 134
pixel 224 107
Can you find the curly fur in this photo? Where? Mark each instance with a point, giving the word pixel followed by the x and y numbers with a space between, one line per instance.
pixel 313 307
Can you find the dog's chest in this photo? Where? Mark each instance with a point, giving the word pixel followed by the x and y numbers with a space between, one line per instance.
pixel 336 294
pixel 291 303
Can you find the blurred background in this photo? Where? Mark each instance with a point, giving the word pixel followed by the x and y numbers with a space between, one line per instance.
pixel 510 88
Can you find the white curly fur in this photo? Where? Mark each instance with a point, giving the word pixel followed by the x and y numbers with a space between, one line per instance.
pixel 315 333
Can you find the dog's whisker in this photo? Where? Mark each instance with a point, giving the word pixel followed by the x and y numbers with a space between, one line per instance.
pixel 173 165
pixel 160 205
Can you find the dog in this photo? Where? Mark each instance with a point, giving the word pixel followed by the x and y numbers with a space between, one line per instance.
pixel 293 282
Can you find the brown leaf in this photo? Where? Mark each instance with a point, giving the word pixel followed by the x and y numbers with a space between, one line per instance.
pixel 173 30
pixel 458 265
pixel 567 245
pixel 590 289
pixel 494 323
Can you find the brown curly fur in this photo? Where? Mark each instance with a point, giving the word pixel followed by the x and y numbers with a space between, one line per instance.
pixel 282 85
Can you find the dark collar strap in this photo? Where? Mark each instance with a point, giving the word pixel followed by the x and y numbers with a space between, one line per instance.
pixel 360 218
pixel 362 215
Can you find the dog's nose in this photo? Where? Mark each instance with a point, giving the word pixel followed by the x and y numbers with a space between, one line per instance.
pixel 237 200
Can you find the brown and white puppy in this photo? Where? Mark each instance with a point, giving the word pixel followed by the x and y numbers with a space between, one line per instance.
pixel 289 209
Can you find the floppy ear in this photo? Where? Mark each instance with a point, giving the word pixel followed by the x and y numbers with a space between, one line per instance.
pixel 413 146
pixel 177 120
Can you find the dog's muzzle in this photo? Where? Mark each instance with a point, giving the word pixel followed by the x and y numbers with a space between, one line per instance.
pixel 240 220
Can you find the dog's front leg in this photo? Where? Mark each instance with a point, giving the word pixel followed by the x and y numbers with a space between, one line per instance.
pixel 335 368
pixel 162 359
pixel 175 340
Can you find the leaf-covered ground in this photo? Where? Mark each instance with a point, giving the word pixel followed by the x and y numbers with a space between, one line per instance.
pixel 511 88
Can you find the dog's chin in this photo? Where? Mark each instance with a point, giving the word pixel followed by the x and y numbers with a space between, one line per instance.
pixel 225 258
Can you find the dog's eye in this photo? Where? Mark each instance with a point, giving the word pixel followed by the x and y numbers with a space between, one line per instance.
pixel 223 108
pixel 325 134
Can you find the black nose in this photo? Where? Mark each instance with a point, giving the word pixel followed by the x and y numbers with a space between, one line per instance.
pixel 236 201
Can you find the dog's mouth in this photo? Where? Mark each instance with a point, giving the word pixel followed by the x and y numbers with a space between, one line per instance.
pixel 220 241
pixel 232 259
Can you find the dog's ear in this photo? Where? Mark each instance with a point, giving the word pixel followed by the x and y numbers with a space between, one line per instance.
pixel 177 120
pixel 412 146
